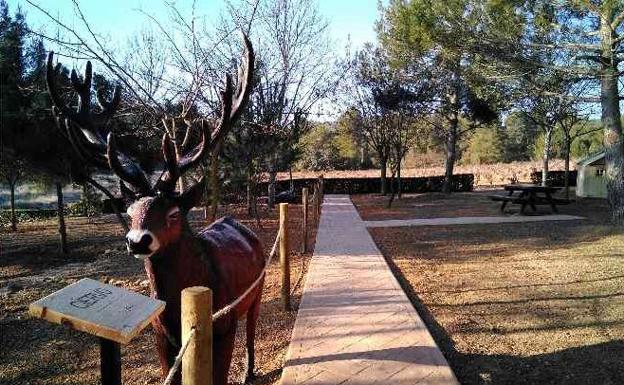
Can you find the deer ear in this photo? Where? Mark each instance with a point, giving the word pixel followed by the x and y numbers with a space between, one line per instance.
pixel 193 196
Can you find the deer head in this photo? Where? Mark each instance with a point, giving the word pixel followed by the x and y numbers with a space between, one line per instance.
pixel 157 211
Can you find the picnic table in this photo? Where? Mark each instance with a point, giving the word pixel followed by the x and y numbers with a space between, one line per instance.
pixel 529 195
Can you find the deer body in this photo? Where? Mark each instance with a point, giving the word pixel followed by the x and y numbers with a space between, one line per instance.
pixel 226 257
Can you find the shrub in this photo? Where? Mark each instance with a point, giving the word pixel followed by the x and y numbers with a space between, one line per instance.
pixel 25 215
pixel 555 178
pixel 460 182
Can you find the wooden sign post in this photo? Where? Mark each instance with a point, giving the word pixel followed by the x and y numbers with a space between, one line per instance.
pixel 114 314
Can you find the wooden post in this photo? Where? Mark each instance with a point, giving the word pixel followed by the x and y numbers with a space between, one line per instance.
pixel 110 362
pixel 304 202
pixel 197 313
pixel 319 201
pixel 315 203
pixel 284 261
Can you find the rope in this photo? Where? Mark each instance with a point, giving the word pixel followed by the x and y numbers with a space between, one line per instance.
pixel 178 359
pixel 303 269
pixel 238 300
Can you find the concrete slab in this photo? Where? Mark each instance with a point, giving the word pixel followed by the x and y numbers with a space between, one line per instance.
pixel 470 220
pixel 355 324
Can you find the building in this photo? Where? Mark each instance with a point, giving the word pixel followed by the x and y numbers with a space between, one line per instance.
pixel 590 178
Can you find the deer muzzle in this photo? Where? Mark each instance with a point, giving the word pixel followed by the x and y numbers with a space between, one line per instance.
pixel 141 243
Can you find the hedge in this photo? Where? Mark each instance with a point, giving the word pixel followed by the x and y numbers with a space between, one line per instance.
pixel 555 178
pixel 460 182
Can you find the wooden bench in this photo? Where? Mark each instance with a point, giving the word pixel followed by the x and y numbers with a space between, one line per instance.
pixel 526 200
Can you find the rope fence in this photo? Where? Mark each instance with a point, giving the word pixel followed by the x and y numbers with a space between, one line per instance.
pixel 178 359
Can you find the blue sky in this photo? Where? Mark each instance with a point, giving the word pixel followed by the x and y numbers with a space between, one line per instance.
pixel 120 18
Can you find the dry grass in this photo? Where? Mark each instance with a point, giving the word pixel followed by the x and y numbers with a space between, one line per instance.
pixel 35 352
pixel 485 175
pixel 537 303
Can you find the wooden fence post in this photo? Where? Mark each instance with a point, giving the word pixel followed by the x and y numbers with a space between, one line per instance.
pixel 319 201
pixel 284 258
pixel 197 313
pixel 304 201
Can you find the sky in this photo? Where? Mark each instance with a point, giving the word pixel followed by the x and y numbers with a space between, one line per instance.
pixel 348 19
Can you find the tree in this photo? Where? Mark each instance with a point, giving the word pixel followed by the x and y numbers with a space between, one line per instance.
pixel 484 147
pixel 518 136
pixel 588 36
pixel 423 34
pixel 27 123
pixel 12 170
pixel 292 41
pixel 367 71
pixel 320 149
pixel 399 108
pixel 351 143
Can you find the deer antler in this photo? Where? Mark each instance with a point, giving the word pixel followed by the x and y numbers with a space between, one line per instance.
pixel 232 104
pixel 126 169
pixel 86 129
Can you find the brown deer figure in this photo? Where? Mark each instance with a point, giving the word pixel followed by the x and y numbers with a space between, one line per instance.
pixel 225 256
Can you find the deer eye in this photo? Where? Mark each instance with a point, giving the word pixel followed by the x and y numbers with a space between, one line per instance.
pixel 173 214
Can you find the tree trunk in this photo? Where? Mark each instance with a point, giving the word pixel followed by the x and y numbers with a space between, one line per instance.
pixel 61 217
pixel 546 155
pixel 86 201
pixel 362 157
pixel 614 152
pixel 382 168
pixel 271 192
pixel 398 180
pixel 250 189
pixel 452 135
pixel 13 217
pixel 566 184
pixel 451 155
pixel 215 191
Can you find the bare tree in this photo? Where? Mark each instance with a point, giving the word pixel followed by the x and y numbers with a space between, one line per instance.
pixel 296 72
pixel 12 170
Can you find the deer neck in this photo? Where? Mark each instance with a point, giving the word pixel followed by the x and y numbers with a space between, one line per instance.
pixel 176 267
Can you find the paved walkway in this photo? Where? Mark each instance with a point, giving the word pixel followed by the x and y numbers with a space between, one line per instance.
pixel 355 324
pixel 469 220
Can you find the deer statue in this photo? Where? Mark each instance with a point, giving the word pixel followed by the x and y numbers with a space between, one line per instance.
pixel 225 256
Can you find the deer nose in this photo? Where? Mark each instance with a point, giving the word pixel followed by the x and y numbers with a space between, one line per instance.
pixel 142 246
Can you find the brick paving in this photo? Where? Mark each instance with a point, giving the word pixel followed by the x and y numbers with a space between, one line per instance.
pixel 355 324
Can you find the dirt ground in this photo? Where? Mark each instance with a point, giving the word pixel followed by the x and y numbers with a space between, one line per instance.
pixel 535 303
pixel 36 352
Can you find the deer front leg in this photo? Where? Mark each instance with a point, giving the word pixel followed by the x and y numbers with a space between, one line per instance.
pixel 166 356
pixel 222 355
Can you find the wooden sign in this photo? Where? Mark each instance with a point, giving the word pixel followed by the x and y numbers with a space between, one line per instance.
pixel 106 311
